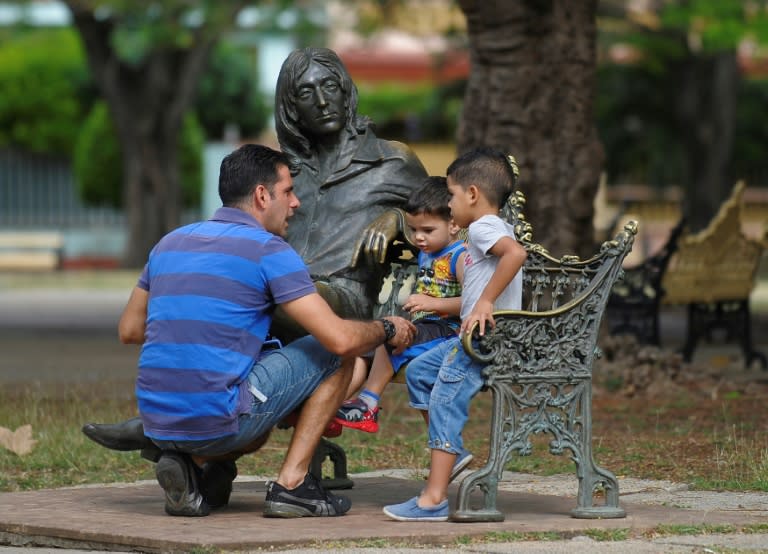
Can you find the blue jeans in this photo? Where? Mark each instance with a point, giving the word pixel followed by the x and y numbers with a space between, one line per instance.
pixel 282 379
pixel 443 381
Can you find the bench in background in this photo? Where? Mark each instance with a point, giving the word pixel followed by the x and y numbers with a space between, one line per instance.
pixel 713 273
pixel 30 250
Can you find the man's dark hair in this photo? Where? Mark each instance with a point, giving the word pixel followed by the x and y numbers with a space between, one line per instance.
pixel 490 170
pixel 287 126
pixel 430 198
pixel 246 167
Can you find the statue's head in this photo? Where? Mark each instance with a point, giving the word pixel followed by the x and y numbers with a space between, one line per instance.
pixel 294 134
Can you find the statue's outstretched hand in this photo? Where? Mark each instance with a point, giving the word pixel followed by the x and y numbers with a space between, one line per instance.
pixel 371 247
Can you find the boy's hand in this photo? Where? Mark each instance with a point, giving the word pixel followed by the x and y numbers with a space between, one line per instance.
pixel 418 303
pixel 482 313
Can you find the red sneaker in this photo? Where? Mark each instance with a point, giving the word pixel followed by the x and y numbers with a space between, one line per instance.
pixel 355 414
pixel 333 429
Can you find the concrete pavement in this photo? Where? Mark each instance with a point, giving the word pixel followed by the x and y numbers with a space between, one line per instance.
pixel 130 517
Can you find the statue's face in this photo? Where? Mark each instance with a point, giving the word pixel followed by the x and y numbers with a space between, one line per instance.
pixel 320 101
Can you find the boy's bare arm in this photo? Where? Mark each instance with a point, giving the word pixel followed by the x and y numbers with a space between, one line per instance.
pixel 426 303
pixel 511 256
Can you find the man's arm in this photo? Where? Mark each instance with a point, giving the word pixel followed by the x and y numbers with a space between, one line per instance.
pixel 133 320
pixel 344 337
pixel 511 256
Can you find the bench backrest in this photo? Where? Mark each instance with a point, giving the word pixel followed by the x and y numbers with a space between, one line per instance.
pixel 716 264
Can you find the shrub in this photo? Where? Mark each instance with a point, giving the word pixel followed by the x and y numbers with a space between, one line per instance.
pixel 98 163
pixel 228 94
pixel 44 90
pixel 413 113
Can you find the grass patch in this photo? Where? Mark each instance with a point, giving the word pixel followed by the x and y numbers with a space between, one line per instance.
pixel 703 529
pixel 607 535
pixel 726 447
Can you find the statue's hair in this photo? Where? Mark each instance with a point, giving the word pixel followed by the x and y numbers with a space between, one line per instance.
pixel 292 140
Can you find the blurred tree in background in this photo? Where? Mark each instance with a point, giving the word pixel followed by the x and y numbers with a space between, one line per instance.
pixel 98 162
pixel 682 93
pixel 147 60
pixel 530 93
pixel 228 94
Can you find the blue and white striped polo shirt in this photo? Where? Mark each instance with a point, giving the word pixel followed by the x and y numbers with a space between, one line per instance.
pixel 213 287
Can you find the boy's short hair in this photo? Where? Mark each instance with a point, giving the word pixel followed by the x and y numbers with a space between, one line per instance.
pixel 492 171
pixel 430 198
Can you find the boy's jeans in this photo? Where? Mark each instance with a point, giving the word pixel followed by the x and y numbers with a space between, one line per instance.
pixel 443 381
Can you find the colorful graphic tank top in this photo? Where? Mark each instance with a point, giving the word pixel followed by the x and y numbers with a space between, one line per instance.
pixel 437 278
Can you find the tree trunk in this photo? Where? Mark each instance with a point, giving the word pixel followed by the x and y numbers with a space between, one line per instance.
pixel 530 93
pixel 147 101
pixel 707 107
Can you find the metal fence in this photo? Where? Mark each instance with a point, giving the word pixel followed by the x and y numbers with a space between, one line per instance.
pixel 38 191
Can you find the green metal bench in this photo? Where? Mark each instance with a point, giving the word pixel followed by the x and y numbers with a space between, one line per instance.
pixel 539 371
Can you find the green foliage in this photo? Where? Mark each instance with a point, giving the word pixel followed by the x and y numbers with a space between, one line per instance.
pixel 228 94
pixel 717 24
pixel 413 113
pixel 636 113
pixel 749 159
pixel 98 163
pixel 635 116
pixel 44 88
pixel 638 125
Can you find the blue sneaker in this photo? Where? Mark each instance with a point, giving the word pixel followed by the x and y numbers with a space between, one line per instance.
pixel 461 463
pixel 410 511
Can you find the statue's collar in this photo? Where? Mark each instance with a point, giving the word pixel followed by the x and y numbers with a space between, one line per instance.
pixel 356 150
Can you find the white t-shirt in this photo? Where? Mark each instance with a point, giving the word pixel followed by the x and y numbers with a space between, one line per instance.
pixel 479 265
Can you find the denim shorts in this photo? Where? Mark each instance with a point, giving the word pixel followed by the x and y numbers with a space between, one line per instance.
pixel 443 381
pixel 282 380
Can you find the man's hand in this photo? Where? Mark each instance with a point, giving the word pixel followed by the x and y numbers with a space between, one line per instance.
pixel 404 335
pixel 372 246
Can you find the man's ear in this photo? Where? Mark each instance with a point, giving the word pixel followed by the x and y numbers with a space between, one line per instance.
pixel 260 196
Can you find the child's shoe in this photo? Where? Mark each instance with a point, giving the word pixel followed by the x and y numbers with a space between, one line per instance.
pixel 411 511
pixel 355 414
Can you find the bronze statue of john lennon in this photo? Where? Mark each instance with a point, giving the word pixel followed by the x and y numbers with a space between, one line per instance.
pixel 351 183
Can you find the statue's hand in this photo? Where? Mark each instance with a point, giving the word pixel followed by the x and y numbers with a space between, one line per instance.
pixel 372 245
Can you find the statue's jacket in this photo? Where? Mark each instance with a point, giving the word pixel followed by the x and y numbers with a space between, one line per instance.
pixel 371 176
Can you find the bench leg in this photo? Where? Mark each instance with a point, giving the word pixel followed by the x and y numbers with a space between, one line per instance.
pixel 750 354
pixel 561 409
pixel 337 456
pixel 733 318
pixel 487 478
pixel 591 476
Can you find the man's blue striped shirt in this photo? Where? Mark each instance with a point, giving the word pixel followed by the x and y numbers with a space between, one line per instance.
pixel 213 287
